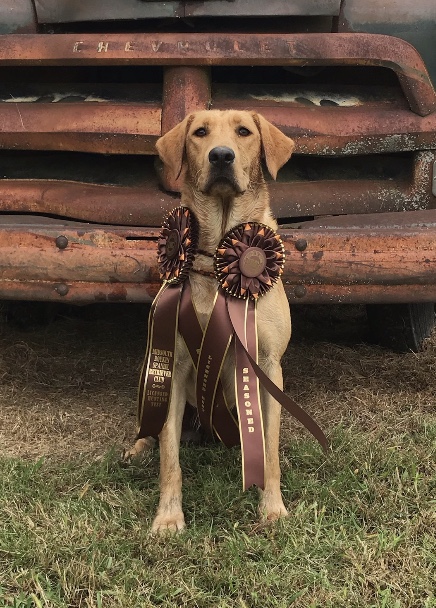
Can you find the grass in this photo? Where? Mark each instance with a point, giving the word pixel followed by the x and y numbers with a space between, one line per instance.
pixel 74 523
pixel 361 533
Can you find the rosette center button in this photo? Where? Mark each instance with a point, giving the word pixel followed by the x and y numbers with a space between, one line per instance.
pixel 252 262
pixel 173 244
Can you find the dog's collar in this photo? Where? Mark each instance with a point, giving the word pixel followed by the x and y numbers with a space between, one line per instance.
pixel 206 253
pixel 204 273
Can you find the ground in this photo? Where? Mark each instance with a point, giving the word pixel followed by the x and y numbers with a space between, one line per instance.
pixel 69 388
pixel 74 528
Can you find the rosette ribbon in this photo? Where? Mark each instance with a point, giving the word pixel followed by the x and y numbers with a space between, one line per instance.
pixel 248 263
pixel 172 311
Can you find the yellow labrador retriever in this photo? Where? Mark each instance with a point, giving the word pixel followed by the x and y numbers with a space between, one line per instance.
pixel 218 155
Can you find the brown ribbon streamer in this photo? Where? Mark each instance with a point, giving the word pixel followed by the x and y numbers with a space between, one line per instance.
pixel 248 398
pixel 223 422
pixel 234 309
pixel 213 350
pixel 155 382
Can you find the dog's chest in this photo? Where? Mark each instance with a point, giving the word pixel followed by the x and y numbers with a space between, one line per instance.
pixel 204 291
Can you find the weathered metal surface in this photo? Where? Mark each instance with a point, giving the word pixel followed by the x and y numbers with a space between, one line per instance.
pixel 100 127
pixel 337 196
pixel 371 221
pixel 133 129
pixel 355 262
pixel 433 189
pixel 17 17
pixel 195 84
pixel 413 21
pixel 361 294
pixel 79 292
pixel 70 11
pixel 228 49
pixel 96 254
pixel 67 11
pixel 88 202
pixel 344 130
pixel 146 205
pixel 252 8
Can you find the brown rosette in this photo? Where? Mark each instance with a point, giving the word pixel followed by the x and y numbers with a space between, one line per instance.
pixel 249 260
pixel 177 245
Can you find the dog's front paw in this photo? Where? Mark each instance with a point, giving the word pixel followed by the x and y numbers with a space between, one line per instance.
pixel 168 523
pixel 141 446
pixel 272 509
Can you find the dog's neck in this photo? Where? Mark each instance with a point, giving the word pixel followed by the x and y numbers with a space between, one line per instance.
pixel 217 214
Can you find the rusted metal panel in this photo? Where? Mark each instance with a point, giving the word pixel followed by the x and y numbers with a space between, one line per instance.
pixel 252 8
pixel 195 84
pixel 355 195
pixel 413 21
pixel 380 257
pixel 78 292
pixel 88 202
pixel 359 261
pixel 228 49
pixel 362 294
pixel 105 127
pixel 70 11
pixel 343 130
pixel 146 205
pixel 133 129
pixel 433 189
pixel 67 11
pixel 374 221
pixel 96 255
pixel 17 17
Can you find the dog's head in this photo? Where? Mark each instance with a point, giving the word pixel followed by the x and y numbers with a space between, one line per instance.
pixel 221 151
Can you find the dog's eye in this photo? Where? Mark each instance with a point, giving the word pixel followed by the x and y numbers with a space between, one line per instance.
pixel 243 132
pixel 201 132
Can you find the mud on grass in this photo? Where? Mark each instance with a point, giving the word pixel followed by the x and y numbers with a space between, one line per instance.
pixel 74 523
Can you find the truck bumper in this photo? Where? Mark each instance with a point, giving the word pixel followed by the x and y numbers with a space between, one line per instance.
pixel 352 259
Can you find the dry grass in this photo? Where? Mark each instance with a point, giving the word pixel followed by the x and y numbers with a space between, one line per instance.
pixel 69 388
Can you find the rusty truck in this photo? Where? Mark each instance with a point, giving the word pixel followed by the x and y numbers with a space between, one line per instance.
pixel 86 89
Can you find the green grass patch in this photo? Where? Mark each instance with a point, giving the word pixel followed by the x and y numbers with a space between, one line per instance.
pixel 361 531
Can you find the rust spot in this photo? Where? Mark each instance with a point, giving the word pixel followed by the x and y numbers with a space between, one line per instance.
pixel 119 295
pixel 318 255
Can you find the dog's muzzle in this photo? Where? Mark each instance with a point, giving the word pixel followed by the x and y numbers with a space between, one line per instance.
pixel 222 170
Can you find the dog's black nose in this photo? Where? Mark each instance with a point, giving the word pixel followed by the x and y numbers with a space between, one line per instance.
pixel 221 156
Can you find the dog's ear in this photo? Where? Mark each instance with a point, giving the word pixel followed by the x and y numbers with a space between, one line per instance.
pixel 276 147
pixel 171 146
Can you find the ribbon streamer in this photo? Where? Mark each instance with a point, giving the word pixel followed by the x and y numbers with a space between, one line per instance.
pixel 248 398
pixel 214 347
pixel 289 404
pixel 224 424
pixel 155 384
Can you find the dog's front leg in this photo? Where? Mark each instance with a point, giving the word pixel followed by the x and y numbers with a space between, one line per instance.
pixel 169 515
pixel 271 505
